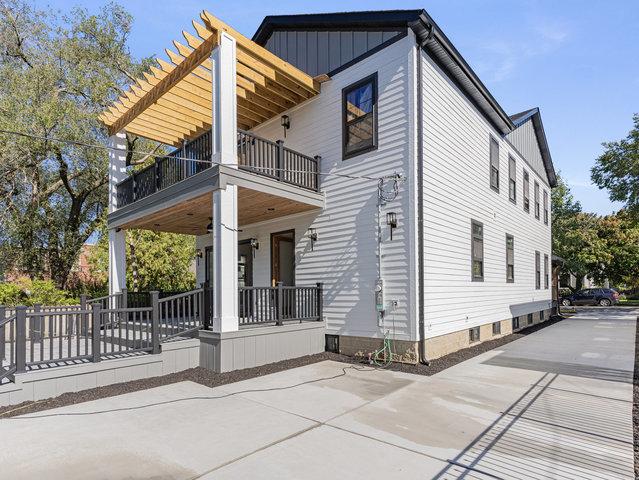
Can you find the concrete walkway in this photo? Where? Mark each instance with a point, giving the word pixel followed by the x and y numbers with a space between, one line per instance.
pixel 555 404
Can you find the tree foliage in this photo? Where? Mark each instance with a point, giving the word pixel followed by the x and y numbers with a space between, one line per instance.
pixel 25 291
pixel 617 170
pixel 155 261
pixel 601 248
pixel 57 72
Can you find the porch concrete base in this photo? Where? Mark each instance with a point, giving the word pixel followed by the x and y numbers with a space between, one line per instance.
pixel 54 381
pixel 224 352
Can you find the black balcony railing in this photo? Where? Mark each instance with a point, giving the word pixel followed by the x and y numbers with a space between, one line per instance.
pixel 255 154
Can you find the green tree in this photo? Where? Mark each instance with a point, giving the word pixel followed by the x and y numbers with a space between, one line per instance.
pixel 155 260
pixel 58 73
pixel 617 170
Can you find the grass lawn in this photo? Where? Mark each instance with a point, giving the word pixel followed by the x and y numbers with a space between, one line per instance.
pixel 629 303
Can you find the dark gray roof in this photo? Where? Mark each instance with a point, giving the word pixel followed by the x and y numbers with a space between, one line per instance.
pixel 535 116
pixel 428 34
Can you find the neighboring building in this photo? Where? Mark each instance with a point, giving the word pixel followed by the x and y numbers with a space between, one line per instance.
pixel 401 184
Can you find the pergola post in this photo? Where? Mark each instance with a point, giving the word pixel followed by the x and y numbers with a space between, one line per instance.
pixel 225 284
pixel 117 244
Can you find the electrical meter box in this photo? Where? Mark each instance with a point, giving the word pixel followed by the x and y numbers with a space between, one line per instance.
pixel 379 295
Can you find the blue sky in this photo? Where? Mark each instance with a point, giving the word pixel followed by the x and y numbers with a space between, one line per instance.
pixel 578 61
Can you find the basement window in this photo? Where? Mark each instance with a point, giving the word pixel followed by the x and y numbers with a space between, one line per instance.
pixel 542 315
pixel 332 343
pixel 496 328
pixel 530 319
pixel 473 334
pixel 359 117
pixel 515 323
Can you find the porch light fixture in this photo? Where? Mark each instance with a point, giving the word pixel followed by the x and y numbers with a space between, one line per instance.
pixel 255 245
pixel 312 235
pixel 285 121
pixel 198 253
pixel 391 221
pixel 209 227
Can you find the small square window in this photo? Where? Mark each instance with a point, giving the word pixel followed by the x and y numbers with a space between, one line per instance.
pixel 515 323
pixel 496 328
pixel 473 334
pixel 332 343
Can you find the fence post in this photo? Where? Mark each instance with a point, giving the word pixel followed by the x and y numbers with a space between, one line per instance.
pixel 280 158
pixel 155 322
pixel 318 159
pixel 280 301
pixel 95 331
pixel 158 175
pixel 2 329
pixel 82 330
pixel 21 339
pixel 36 324
pixel 320 301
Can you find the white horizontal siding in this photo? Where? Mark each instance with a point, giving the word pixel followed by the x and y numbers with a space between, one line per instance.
pixel 525 141
pixel 456 190
pixel 344 257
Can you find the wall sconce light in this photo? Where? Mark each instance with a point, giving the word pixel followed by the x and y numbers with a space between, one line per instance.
pixel 255 245
pixel 285 121
pixel 312 235
pixel 198 253
pixel 391 221
pixel 209 227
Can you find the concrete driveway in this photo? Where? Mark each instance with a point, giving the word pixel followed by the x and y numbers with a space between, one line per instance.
pixel 555 404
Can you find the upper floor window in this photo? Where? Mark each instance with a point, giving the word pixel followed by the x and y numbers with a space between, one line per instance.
pixel 537 271
pixel 546 207
pixel 510 258
pixel 494 164
pixel 359 117
pixel 537 201
pixel 526 192
pixel 512 179
pixel 477 251
pixel 546 277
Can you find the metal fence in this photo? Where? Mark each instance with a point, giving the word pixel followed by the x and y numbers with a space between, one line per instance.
pixel 276 305
pixel 255 154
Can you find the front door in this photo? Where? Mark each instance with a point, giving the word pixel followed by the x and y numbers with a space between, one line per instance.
pixel 283 258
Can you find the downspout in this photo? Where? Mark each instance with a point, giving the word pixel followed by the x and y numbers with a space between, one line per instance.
pixel 420 200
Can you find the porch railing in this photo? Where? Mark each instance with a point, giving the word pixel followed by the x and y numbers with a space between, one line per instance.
pixel 255 154
pixel 280 304
pixel 7 345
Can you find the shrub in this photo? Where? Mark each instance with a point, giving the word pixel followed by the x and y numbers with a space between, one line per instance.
pixel 31 292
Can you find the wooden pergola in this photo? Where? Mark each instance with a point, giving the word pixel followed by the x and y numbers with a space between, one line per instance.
pixel 173 102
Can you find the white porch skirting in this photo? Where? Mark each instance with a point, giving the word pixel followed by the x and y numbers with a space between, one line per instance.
pixel 246 348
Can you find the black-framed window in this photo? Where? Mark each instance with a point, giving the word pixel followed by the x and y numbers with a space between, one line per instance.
pixel 494 164
pixel 477 251
pixel 496 328
pixel 359 117
pixel 542 315
pixel 510 258
pixel 473 334
pixel 530 319
pixel 512 179
pixel 537 271
pixel 546 275
pixel 515 323
pixel 537 208
pixel 526 192
pixel 546 207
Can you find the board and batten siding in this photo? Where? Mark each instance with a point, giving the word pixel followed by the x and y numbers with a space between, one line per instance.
pixel 525 141
pixel 457 190
pixel 318 52
pixel 344 257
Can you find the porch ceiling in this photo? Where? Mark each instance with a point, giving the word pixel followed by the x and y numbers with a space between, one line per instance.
pixel 192 216
pixel 173 102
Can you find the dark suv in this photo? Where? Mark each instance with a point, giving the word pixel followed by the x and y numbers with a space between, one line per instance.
pixel 592 296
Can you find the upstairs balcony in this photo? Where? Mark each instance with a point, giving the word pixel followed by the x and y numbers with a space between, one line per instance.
pixel 254 154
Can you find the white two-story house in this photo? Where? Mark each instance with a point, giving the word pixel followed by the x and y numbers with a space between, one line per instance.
pixel 345 173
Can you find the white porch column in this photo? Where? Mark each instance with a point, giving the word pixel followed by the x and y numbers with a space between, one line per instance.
pixel 117 245
pixel 225 288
